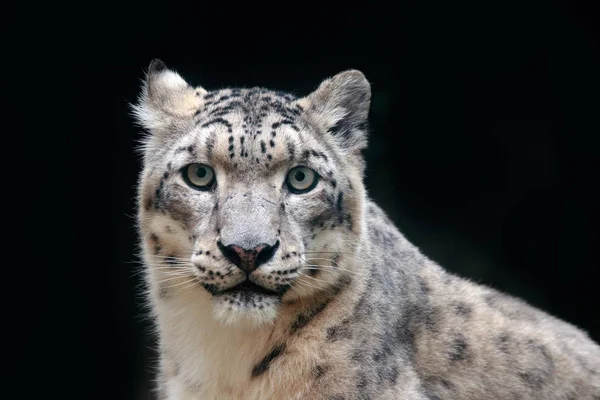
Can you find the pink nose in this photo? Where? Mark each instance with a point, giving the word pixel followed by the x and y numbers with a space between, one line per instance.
pixel 248 260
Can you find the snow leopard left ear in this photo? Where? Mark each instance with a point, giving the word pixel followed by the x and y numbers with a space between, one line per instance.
pixel 167 100
pixel 340 105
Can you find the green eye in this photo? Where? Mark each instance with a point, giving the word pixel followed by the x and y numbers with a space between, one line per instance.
pixel 199 176
pixel 301 180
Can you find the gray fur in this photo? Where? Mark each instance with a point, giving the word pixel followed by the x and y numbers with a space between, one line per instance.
pixel 354 311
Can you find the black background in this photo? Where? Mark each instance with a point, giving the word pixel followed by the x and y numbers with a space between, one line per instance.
pixel 483 149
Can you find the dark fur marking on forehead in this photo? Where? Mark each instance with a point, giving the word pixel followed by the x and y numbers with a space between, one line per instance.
pixel 263 147
pixel 218 121
pixel 210 144
pixel 181 149
pixel 292 124
pixel 291 150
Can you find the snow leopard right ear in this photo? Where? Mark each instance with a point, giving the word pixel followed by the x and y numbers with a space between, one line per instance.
pixel 341 106
pixel 167 100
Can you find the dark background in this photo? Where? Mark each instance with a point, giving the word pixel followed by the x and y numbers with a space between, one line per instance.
pixel 483 149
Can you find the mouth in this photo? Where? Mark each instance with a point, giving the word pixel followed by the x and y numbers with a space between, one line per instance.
pixel 246 288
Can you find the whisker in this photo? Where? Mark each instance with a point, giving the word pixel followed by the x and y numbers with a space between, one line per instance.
pixel 309 284
pixel 168 265
pixel 309 259
pixel 182 283
pixel 310 252
pixel 329 282
pixel 170 279
pixel 172 256
pixel 334 268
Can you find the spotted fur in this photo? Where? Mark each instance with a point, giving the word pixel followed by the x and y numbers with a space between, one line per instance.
pixel 348 308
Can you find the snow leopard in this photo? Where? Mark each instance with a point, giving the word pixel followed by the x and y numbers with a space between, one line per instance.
pixel 271 274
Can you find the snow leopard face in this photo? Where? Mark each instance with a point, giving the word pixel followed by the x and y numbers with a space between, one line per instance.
pixel 249 197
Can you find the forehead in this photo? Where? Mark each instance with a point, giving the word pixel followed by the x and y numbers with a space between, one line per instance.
pixel 255 127
pixel 254 104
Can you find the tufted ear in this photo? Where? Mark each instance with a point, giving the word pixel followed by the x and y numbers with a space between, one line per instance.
pixel 167 100
pixel 341 106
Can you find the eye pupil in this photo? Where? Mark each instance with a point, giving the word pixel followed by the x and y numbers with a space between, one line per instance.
pixel 201 172
pixel 299 176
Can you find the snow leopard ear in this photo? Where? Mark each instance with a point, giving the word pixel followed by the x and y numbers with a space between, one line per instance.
pixel 341 106
pixel 167 100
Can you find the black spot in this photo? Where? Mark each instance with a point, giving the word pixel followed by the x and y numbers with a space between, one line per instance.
pixel 212 289
pixel 218 121
pixel 265 363
pixel 263 147
pixel 319 371
pixel 503 343
pixel 423 285
pixel 390 374
pixel 338 332
pixel 543 365
pixel 462 308
pixel 272 143
pixel 458 348
pixel 291 149
pixel 269 157
pixel 304 318
pixel 339 204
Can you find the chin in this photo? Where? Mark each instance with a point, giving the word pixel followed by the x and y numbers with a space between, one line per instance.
pixel 245 308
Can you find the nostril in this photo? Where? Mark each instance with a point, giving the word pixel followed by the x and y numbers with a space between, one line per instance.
pixel 230 254
pixel 248 260
pixel 265 254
